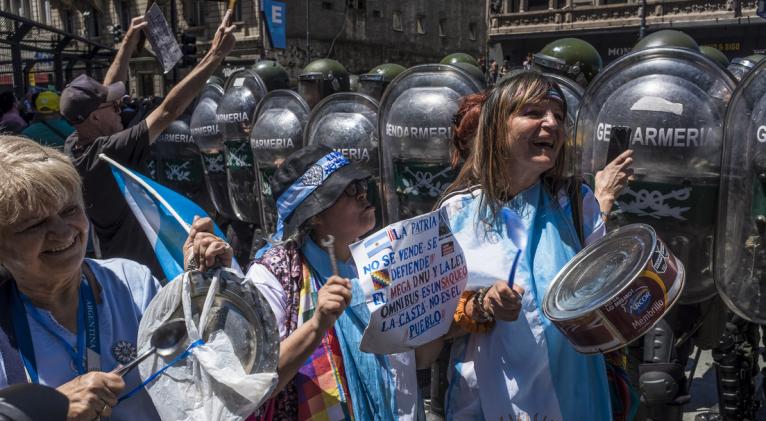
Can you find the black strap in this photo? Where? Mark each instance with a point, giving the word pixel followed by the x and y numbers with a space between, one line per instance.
pixel 54 130
pixel 9 348
pixel 575 200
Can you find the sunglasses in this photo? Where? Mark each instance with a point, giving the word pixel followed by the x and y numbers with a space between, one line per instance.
pixel 357 187
pixel 115 104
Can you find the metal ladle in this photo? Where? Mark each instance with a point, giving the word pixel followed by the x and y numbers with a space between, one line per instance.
pixel 165 341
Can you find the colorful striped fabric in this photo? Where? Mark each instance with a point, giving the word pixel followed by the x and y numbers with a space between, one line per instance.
pixel 321 382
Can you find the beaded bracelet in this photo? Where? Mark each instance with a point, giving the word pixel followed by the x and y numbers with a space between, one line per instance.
pixel 478 305
pixel 465 321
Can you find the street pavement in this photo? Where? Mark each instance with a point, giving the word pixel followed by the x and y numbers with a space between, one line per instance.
pixel 704 394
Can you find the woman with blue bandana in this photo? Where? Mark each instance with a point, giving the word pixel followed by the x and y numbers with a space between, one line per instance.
pixel 313 289
pixel 519 169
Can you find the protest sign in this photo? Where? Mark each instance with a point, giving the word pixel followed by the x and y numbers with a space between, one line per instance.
pixel 162 39
pixel 412 273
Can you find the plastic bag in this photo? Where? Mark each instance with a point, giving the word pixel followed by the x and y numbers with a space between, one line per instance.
pixel 211 383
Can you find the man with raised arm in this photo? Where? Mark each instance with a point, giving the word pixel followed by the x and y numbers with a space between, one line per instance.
pixel 94 111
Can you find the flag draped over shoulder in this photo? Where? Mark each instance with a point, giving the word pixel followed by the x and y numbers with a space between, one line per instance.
pixel 164 215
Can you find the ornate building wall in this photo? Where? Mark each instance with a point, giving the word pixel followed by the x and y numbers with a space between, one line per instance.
pixel 517 27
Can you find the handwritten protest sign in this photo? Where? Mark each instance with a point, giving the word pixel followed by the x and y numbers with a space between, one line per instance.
pixel 162 39
pixel 412 273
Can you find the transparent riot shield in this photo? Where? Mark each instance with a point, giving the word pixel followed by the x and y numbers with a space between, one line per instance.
pixel 207 136
pixel 740 67
pixel 673 102
pixel 372 85
pixel 347 122
pixel 277 132
pixel 244 89
pixel 415 126
pixel 178 163
pixel 573 93
pixel 741 235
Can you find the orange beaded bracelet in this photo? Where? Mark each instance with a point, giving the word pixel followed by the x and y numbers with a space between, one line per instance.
pixel 465 321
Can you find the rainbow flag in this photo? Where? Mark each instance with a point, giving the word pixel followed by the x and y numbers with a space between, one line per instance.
pixel 380 279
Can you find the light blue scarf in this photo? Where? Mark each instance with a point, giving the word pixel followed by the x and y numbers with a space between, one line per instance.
pixel 369 376
pixel 525 366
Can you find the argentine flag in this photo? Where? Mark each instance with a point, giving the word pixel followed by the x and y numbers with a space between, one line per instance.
pixel 164 215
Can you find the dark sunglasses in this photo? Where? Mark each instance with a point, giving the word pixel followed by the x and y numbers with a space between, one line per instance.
pixel 357 187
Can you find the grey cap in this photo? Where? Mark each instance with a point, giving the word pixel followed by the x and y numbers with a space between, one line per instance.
pixel 84 95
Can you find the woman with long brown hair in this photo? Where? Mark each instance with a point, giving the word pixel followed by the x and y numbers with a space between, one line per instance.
pixel 520 165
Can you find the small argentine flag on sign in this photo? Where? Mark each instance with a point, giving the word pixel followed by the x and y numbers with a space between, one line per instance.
pixel 165 216
pixel 377 243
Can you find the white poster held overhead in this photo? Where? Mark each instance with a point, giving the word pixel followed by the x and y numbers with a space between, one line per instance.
pixel 413 273
pixel 161 38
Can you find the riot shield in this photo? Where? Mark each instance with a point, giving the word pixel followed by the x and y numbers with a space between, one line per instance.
pixel 347 122
pixel 207 136
pixel 415 126
pixel 244 89
pixel 673 102
pixel 277 132
pixel 573 93
pixel 372 85
pixel 178 163
pixel 741 232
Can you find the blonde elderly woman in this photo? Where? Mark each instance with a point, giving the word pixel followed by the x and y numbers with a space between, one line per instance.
pixel 67 321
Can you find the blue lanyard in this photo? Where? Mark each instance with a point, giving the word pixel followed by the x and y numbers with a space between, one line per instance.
pixel 87 354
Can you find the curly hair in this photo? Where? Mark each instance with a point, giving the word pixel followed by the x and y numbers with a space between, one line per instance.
pixel 466 123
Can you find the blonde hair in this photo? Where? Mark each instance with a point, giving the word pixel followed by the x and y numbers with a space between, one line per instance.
pixel 488 163
pixel 36 179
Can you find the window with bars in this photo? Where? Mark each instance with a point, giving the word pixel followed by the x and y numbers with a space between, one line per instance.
pixel 67 19
pixel 195 12
pixel 26 9
pixel 92 29
pixel 237 15
pixel 397 21
pixel 46 14
pixel 420 25
pixel 125 15
pixel 533 5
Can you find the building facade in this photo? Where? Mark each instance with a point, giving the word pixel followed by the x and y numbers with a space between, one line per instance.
pixel 358 33
pixel 519 27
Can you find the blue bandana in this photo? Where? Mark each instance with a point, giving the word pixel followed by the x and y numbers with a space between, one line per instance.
pixel 555 95
pixel 289 201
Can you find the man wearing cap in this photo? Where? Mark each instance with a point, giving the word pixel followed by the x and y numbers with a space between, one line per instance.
pixel 94 110
pixel 48 128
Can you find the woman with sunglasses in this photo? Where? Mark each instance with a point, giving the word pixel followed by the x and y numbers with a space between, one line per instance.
pixel 313 289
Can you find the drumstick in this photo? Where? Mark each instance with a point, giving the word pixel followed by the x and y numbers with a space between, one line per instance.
pixel 517 233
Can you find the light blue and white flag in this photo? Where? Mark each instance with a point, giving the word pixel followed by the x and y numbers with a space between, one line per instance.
pixel 164 215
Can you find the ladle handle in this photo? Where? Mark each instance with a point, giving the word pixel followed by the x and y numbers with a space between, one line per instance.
pixel 122 371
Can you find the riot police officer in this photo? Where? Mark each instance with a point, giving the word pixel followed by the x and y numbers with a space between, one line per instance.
pixel 321 78
pixel 415 126
pixel 573 58
pixel 739 67
pixel 467 63
pixel 375 82
pixel 715 54
pixel 667 100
